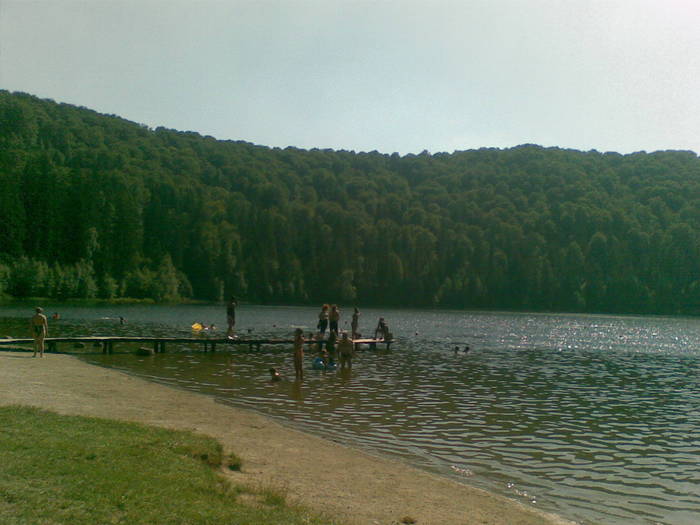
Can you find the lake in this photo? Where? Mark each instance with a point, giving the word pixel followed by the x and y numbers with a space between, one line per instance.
pixel 595 418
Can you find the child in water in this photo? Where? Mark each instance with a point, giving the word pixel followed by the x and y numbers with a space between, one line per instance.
pixel 299 353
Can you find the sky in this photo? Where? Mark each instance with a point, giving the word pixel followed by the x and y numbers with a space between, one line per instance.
pixel 393 76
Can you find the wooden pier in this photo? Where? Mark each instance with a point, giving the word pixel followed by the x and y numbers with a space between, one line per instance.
pixel 158 343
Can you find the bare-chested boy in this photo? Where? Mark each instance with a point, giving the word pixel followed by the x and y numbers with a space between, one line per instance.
pixel 346 351
pixel 40 329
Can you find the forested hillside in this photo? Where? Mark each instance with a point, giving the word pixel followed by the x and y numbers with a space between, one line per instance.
pixel 96 206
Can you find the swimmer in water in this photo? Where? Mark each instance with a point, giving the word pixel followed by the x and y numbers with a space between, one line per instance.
pixel 299 353
pixel 275 375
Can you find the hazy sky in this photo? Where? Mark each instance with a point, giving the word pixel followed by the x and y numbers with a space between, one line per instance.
pixel 394 75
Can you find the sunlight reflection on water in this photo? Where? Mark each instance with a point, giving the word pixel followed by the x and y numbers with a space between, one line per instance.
pixel 596 418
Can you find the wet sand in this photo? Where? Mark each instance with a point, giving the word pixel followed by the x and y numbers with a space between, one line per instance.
pixel 342 482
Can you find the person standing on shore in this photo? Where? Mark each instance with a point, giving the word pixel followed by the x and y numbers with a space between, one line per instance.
pixel 299 353
pixel 355 324
pixel 40 330
pixel 231 315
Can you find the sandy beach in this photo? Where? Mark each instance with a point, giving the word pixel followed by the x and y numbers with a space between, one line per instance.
pixel 343 482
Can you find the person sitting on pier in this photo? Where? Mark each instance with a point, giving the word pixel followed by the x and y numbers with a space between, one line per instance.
pixel 382 330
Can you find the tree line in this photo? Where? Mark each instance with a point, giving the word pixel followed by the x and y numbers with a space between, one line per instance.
pixel 96 206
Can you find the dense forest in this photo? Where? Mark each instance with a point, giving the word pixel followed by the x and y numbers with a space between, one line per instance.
pixel 93 205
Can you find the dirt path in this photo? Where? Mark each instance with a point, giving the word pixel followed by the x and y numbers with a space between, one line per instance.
pixel 319 474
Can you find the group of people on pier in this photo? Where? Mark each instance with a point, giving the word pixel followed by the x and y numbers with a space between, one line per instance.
pixel 329 318
pixel 337 344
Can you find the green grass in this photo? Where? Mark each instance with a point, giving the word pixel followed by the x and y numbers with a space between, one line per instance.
pixel 75 470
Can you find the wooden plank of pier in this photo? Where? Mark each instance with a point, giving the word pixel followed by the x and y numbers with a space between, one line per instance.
pixel 107 342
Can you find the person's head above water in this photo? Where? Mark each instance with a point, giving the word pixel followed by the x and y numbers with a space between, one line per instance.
pixel 38 309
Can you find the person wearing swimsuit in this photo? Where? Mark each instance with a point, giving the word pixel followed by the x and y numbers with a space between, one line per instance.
pixel 355 322
pixel 231 316
pixel 40 329
pixel 299 353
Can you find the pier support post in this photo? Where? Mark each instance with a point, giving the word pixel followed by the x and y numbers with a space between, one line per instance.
pixel 104 347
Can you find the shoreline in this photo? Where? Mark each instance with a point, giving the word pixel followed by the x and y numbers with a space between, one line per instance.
pixel 330 478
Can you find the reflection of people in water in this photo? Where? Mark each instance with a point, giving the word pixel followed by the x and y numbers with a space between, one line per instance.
pixel 295 392
pixel 56 316
pixel 40 330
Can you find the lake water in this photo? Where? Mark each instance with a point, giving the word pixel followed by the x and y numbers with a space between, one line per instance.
pixel 596 418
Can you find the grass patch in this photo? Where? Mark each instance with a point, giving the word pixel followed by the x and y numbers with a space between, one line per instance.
pixel 78 470
pixel 234 463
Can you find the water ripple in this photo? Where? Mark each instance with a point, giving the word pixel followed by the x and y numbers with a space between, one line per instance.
pixel 594 417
